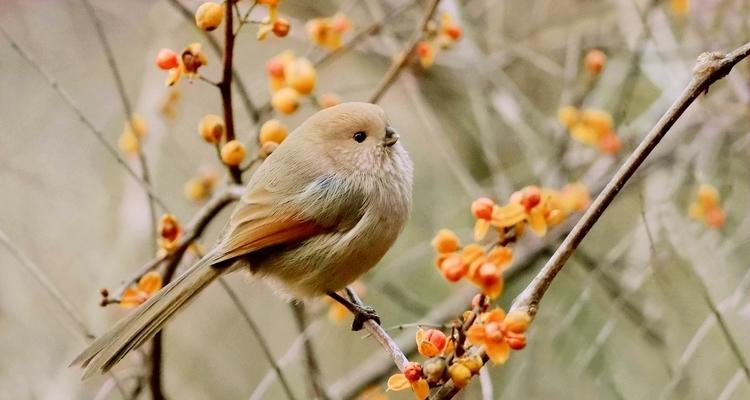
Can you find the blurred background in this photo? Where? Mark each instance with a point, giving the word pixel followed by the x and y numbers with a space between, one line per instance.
pixel 654 304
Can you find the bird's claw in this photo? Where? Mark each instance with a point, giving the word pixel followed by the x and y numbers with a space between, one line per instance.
pixel 362 314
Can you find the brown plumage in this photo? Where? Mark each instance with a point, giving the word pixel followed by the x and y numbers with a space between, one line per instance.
pixel 319 212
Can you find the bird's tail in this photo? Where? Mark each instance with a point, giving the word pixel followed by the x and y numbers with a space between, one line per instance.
pixel 148 319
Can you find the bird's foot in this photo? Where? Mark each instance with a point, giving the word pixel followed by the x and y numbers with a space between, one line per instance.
pixel 363 313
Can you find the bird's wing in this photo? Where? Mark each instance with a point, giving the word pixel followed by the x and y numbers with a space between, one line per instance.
pixel 268 216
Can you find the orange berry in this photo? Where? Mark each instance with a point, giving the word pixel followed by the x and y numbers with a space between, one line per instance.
pixel 482 208
pixel 281 27
pixel 233 152
pixel 516 341
pixel 273 131
pixel 341 23
pixel 275 68
pixel 488 274
pixel 531 197
pixel 166 59
pixel 424 49
pixel 436 337
pixel 453 268
pixel 493 332
pixel 568 115
pixel 594 61
pixel 269 2
pixel 209 16
pixel 445 241
pixel 300 75
pixel 715 217
pixel 211 128
pixel 285 101
pixel 454 32
pixel 610 144
pixel 413 371
pixel 169 227
pixel 329 99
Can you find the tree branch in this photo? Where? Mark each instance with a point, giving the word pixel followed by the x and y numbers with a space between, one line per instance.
pixel 225 86
pixel 709 68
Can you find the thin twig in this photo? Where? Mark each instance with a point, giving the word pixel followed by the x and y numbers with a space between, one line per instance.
pixel 377 331
pixel 127 108
pixel 403 57
pixel 42 278
pixel 258 336
pixel 82 117
pixel 317 390
pixel 47 284
pixel 709 68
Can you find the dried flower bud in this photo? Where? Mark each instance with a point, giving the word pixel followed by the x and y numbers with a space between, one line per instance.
pixel 281 27
pixel 273 131
pixel 209 16
pixel 473 363
pixel 192 59
pixel 167 59
pixel 211 128
pixel 233 152
pixel 445 241
pixel 128 142
pixel 285 101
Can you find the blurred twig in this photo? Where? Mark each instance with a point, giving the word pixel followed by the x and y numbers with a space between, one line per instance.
pixel 259 337
pixel 709 68
pixel 82 117
pixel 126 105
pixel 404 55
pixel 317 390
pixel 42 278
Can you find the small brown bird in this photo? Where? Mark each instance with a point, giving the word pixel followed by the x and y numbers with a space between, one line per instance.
pixel 320 211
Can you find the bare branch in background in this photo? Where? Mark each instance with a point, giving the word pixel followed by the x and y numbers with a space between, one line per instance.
pixel 82 117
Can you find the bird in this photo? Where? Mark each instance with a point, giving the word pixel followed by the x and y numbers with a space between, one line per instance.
pixel 320 211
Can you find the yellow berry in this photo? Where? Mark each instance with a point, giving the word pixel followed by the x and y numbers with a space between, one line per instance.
pixel 445 241
pixel 460 374
pixel 273 131
pixel 128 142
pixel 285 100
pixel 568 115
pixel 209 16
pixel 233 152
pixel 138 124
pixel 300 75
pixel 211 128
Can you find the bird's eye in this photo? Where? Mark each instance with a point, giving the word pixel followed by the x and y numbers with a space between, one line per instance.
pixel 360 136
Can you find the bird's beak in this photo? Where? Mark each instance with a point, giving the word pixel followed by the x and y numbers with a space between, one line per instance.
pixel 391 136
